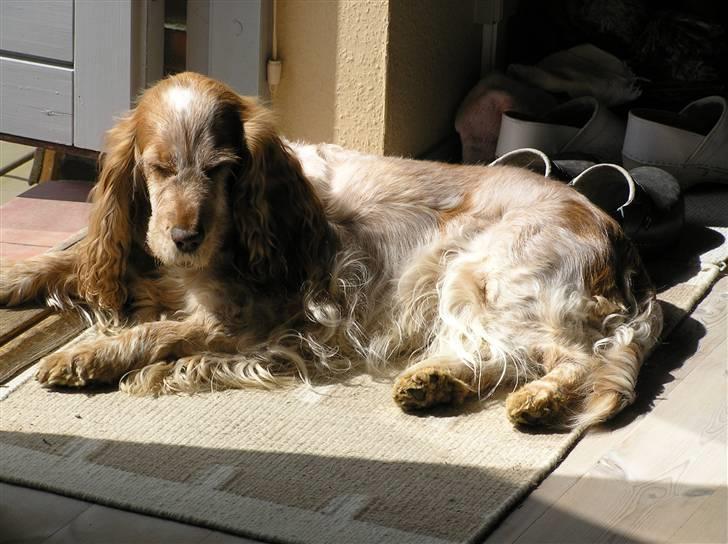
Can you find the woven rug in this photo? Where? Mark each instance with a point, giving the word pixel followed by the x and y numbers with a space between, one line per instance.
pixel 335 464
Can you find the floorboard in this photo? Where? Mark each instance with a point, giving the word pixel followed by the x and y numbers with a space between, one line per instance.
pixel 662 476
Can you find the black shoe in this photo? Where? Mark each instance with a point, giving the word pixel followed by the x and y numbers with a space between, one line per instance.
pixel 646 201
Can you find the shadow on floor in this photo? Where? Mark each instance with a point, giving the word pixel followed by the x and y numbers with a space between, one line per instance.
pixel 293 497
pixel 656 372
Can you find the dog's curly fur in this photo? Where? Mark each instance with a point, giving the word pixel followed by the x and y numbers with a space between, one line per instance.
pixel 315 260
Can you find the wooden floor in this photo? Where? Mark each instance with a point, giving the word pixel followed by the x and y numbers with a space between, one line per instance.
pixel 657 474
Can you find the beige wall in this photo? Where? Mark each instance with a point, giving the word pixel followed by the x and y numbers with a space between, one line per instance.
pixel 306 98
pixel 433 61
pixel 380 76
pixel 361 47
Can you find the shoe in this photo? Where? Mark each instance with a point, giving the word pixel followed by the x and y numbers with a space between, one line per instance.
pixel 692 145
pixel 608 186
pixel 538 162
pixel 660 221
pixel 581 125
pixel 646 201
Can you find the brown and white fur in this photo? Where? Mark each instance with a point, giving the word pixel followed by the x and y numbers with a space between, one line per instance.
pixel 302 261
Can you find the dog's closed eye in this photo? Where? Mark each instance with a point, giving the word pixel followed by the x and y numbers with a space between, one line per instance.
pixel 215 171
pixel 219 166
pixel 163 169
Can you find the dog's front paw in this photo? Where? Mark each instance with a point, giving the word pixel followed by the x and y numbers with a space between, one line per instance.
pixel 535 403
pixel 74 368
pixel 425 387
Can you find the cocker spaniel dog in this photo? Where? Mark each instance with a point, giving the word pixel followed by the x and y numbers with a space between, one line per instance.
pixel 222 256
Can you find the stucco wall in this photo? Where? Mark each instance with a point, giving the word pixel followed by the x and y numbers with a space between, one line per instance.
pixel 361 74
pixel 433 61
pixel 380 76
pixel 306 97
pixel 334 64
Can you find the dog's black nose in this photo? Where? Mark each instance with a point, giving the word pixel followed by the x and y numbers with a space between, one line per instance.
pixel 186 240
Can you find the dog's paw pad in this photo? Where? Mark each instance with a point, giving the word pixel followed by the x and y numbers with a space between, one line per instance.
pixel 68 369
pixel 429 387
pixel 535 403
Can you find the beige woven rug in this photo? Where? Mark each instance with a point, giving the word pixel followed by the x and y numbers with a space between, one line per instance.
pixel 340 464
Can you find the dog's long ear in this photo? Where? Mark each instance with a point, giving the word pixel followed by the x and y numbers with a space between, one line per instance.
pixel 105 250
pixel 280 221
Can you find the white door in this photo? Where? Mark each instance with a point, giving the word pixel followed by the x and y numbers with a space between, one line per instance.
pixel 69 68
pixel 119 44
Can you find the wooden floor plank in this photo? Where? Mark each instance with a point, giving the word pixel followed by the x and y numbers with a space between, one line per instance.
pixel 36 342
pixel 650 485
pixel 707 524
pixel 27 334
pixel 14 321
pixel 548 499
pixel 100 524
pixel 31 516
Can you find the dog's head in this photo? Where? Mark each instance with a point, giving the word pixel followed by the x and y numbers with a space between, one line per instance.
pixel 194 171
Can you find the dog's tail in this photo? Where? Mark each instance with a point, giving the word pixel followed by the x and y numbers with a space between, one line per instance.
pixel 628 339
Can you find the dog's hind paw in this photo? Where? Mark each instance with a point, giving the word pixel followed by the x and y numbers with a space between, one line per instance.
pixel 430 386
pixel 535 403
